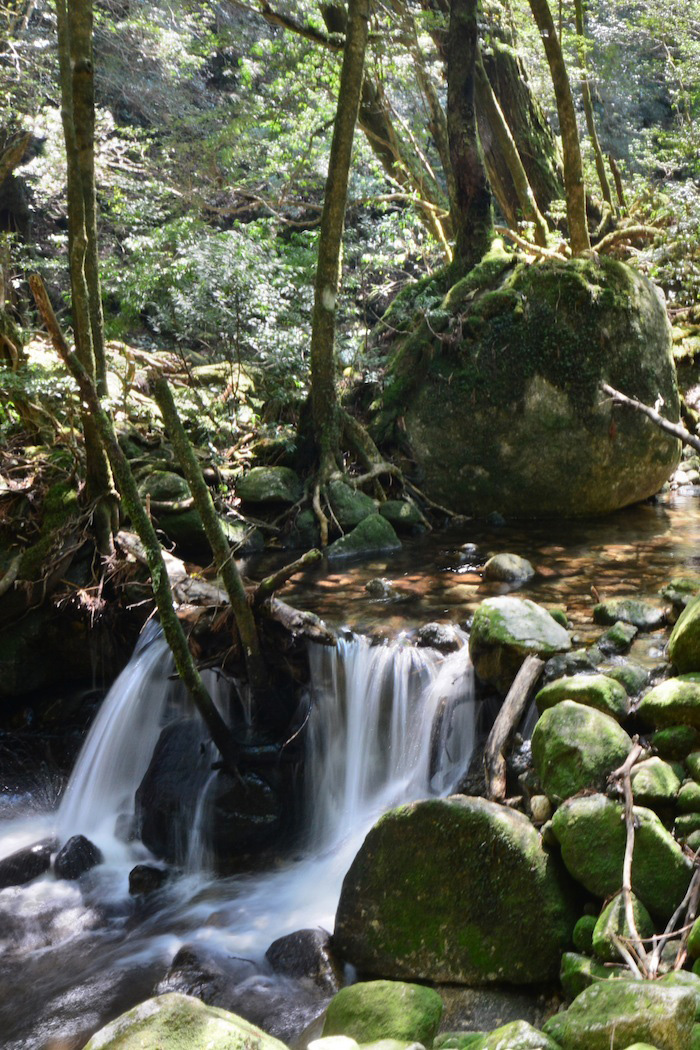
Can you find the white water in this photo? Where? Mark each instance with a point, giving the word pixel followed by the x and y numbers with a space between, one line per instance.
pixel 388 724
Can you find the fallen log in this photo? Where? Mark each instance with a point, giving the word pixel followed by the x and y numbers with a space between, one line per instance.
pixel 506 721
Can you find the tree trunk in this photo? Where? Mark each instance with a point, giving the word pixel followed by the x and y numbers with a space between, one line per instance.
pixel 573 168
pixel 326 416
pixel 473 218
pixel 98 474
pixel 588 105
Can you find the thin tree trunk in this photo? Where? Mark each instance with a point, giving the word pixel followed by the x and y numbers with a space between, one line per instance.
pixel 473 220
pixel 98 474
pixel 326 416
pixel 172 628
pixel 499 125
pixel 588 105
pixel 223 557
pixel 573 168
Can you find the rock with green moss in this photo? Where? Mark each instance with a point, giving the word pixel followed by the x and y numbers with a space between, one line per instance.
pixel 349 506
pixel 165 486
pixel 401 514
pixel 445 916
pixel 612 923
pixel 617 639
pixel 583 933
pixel 684 979
pixel 592 836
pixel 673 702
pixel 686 824
pixel 684 643
pixel 654 783
pixel 580 971
pixel 641 1046
pixel 642 615
pixel 680 591
pixel 508 568
pixel 688 800
pixel 593 690
pixel 180 1022
pixel 633 677
pixel 504 631
pixel 269 485
pixel 186 531
pixel 576 747
pixel 516 1035
pixel 526 350
pixel 677 742
pixel 372 536
pixel 385 1010
pixel 611 1015
pixel 692 763
pixel 458 1041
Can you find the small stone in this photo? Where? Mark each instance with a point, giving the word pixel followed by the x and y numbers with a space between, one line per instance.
pixel 597 691
pixel 381 589
pixel 373 1010
pixel 508 568
pixel 540 809
pixel 76 857
pixel 440 636
pixel 617 639
pixel 146 878
pixel 567 665
pixel 688 800
pixel 642 615
pixel 654 782
pixel 583 934
pixel 373 535
pixel 558 613
pixel 680 591
pixel 516 1035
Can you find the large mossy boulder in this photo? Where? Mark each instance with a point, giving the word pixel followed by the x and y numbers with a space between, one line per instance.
pixel 498 387
pixel 375 1010
pixel 591 833
pixel 684 643
pixel 455 890
pixel 349 506
pixel 576 747
pixel 269 485
pixel 181 1022
pixel 504 631
pixel 614 1014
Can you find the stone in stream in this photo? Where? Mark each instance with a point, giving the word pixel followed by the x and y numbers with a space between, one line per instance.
pixel 591 833
pixel 401 514
pixel 684 643
pixel 306 953
pixel 655 783
pixel 576 747
pixel 633 677
pixel 508 568
pixel 442 636
pixel 673 702
pixel 374 1010
pixel 642 615
pixel 611 1015
pixel 146 878
pixel 612 922
pixel 455 890
pixel 373 535
pixel 181 1022
pixel 617 639
pixel 26 864
pixel 349 506
pixel 504 631
pixel 516 1035
pixel 76 857
pixel 592 690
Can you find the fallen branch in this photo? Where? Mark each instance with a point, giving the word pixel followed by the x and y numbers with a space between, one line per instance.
pixel 10 575
pixel 267 587
pixel 298 622
pixel 187 590
pixel 676 430
pixel 623 774
pixel 625 233
pixel 506 722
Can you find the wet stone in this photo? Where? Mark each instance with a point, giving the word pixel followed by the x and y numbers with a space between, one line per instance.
pixel 306 953
pixel 617 639
pixel 146 878
pixel 642 615
pixel 76 857
pixel 26 864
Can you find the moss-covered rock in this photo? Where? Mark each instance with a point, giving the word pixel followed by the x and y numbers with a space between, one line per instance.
pixel 680 591
pixel 504 413
pixel 180 1022
pixel 654 783
pixel 373 535
pixel 401 514
pixel 673 702
pixel 504 631
pixel 269 485
pixel 677 742
pixel 516 1035
pixel 580 971
pixel 165 486
pixel 684 643
pixel 612 922
pixel 349 506
pixel 591 833
pixel 385 1010
pixel 688 800
pixel 617 639
pixel 594 690
pixel 684 979
pixel 458 1041
pixel 576 747
pixel 611 1015
pixel 457 890
pixel 583 933
pixel 632 676
pixel 686 824
pixel 508 568
pixel 642 615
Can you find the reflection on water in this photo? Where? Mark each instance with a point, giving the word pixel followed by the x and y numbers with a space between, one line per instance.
pixel 630 554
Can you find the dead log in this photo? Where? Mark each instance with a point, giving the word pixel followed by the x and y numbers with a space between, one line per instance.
pixel 506 721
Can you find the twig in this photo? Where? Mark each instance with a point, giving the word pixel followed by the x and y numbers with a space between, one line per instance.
pixel 506 721
pixel 677 430
pixel 623 774
pixel 11 574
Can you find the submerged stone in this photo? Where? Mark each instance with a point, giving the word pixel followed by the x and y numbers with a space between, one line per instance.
pixel 504 631
pixel 591 833
pixel 76 857
pixel 508 568
pixel 375 1010
pixel 451 917
pixel 181 1022
pixel 373 535
pixel 673 702
pixel 592 690
pixel 576 747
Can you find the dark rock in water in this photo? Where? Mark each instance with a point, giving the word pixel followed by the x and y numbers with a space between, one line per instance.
pixel 26 864
pixel 382 590
pixel 145 878
pixel 440 636
pixel 196 971
pixel 373 535
pixel 306 953
pixel 446 918
pixel 642 615
pixel 617 639
pixel 76 857
pixel 567 664
pixel 247 814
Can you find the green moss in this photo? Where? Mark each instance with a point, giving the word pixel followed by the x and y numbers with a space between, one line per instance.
pixel 375 1010
pixel 60 506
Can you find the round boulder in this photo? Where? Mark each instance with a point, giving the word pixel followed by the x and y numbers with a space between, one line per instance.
pixel 504 631
pixel 499 389
pixel 456 890
pixel 375 1010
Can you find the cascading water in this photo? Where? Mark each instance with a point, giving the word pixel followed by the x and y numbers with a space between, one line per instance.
pixel 389 723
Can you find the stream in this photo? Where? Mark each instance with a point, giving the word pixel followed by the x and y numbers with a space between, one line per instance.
pixel 390 723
